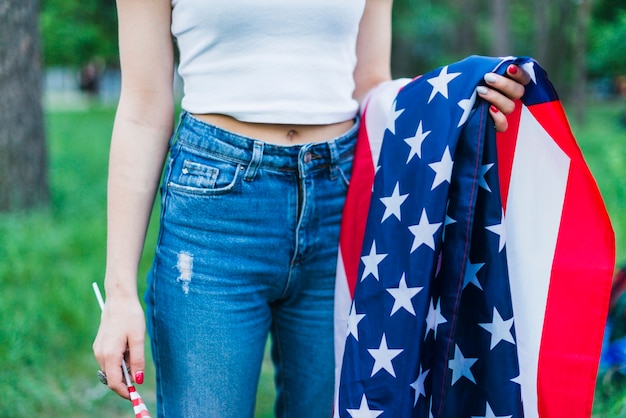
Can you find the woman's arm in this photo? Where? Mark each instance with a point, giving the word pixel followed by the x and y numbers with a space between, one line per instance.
pixel 373 47
pixel 143 124
pixel 373 52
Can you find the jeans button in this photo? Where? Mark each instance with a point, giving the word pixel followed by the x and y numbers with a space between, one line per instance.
pixel 307 157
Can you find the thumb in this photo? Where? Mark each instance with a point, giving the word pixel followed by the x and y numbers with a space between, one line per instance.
pixel 136 359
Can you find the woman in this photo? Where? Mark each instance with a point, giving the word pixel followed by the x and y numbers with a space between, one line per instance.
pixel 252 194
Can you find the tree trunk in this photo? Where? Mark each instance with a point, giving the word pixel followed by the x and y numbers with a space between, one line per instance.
pixel 542 30
pixel 501 38
pixel 562 48
pixel 23 158
pixel 467 30
pixel 583 18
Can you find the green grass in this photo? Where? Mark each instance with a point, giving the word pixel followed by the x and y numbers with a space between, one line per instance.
pixel 49 257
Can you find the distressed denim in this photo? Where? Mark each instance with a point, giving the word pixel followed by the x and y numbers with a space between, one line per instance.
pixel 247 247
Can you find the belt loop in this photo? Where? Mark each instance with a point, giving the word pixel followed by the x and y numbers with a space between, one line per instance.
pixel 304 155
pixel 334 158
pixel 179 124
pixel 257 155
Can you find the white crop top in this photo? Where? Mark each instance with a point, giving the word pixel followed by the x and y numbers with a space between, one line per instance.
pixel 268 61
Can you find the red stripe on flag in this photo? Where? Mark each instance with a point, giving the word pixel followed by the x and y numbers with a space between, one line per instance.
pixel 506 142
pixel 356 207
pixel 578 295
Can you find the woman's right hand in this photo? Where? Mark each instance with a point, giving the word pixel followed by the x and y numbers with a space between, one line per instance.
pixel 121 335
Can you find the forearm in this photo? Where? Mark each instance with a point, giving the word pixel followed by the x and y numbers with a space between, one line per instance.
pixel 373 48
pixel 138 148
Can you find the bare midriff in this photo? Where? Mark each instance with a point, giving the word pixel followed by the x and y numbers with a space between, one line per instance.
pixel 278 133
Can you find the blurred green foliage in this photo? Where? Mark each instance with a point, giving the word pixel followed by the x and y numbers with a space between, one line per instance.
pixel 77 32
pixel 607 10
pixel 608 44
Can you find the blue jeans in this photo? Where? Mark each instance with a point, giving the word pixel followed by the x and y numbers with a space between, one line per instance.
pixel 247 246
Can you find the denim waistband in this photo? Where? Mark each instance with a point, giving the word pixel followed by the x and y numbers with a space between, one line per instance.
pixel 200 135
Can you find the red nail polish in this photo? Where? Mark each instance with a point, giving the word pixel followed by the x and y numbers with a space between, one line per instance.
pixel 513 69
pixel 493 109
pixel 139 378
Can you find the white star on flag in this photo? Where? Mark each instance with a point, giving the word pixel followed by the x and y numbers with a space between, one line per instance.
pixel 443 169
pixel 430 408
pixel 466 105
pixel 434 318
pixel 448 221
pixel 499 230
pixel 470 274
pixel 353 322
pixel 461 366
pixel 418 385
pixel 415 142
pixel 364 410
pixel 383 356
pixel 483 182
pixel 391 121
pixel 393 203
pixel 529 67
pixel 371 261
pixel 489 413
pixel 499 329
pixel 440 83
pixel 424 232
pixel 402 296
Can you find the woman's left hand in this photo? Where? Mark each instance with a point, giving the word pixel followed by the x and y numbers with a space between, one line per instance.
pixel 502 91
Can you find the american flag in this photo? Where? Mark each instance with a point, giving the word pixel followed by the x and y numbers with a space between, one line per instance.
pixel 443 309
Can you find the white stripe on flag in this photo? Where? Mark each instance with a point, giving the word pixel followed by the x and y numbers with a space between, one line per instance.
pixel 343 300
pixel 535 202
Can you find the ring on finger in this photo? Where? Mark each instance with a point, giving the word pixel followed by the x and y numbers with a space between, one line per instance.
pixel 102 377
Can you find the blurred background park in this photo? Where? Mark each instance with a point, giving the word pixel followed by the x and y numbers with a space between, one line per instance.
pixel 59 82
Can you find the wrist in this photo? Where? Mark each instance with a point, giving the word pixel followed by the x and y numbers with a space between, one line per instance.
pixel 123 287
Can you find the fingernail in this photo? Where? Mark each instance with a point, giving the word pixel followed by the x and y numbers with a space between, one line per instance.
pixel 513 69
pixel 490 78
pixel 493 109
pixel 482 90
pixel 139 378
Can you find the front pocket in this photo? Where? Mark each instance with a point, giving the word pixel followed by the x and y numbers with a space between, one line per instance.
pixel 203 174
